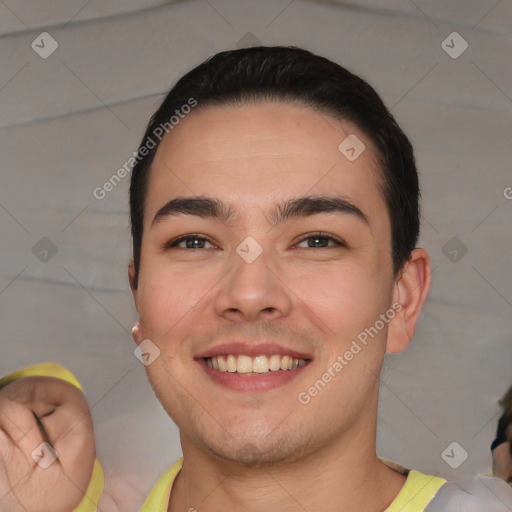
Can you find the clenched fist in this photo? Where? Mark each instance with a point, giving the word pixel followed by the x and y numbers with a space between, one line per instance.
pixel 41 417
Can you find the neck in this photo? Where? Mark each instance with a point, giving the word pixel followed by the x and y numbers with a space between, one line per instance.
pixel 345 475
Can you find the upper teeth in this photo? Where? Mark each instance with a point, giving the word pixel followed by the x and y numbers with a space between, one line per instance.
pixel 259 364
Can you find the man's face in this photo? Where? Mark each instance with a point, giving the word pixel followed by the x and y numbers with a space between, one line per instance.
pixel 305 295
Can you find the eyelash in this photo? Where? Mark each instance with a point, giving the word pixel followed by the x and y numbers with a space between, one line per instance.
pixel 173 243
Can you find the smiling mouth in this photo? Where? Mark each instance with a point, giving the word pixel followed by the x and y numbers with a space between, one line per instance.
pixel 247 365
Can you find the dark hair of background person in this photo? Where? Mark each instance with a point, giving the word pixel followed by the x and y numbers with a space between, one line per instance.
pixel 295 75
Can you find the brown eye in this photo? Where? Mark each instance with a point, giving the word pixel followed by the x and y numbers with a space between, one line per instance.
pixel 320 241
pixel 190 241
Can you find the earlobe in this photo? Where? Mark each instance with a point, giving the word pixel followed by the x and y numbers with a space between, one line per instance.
pixel 136 333
pixel 410 290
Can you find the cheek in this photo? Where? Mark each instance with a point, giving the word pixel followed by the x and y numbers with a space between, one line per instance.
pixel 341 295
pixel 332 295
pixel 167 295
pixel 348 300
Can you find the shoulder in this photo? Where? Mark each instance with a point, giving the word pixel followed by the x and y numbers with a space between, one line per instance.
pixel 480 494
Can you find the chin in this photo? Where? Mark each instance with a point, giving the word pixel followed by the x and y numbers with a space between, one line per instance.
pixel 251 456
pixel 259 452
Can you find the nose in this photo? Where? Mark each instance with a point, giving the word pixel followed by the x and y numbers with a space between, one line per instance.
pixel 254 290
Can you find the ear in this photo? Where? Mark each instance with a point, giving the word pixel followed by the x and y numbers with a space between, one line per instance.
pixel 410 290
pixel 131 279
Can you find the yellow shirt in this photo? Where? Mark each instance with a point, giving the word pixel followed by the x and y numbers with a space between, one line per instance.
pixel 416 494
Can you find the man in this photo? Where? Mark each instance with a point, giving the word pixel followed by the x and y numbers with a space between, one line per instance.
pixel 274 209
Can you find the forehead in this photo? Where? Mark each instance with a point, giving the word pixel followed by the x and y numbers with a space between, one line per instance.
pixel 255 155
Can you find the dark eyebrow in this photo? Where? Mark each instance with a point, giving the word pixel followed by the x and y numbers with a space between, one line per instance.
pixel 291 208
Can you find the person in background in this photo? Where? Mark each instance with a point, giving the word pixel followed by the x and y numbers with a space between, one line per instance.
pixel 501 447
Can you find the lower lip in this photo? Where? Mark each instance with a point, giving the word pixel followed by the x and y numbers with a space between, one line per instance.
pixel 251 383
